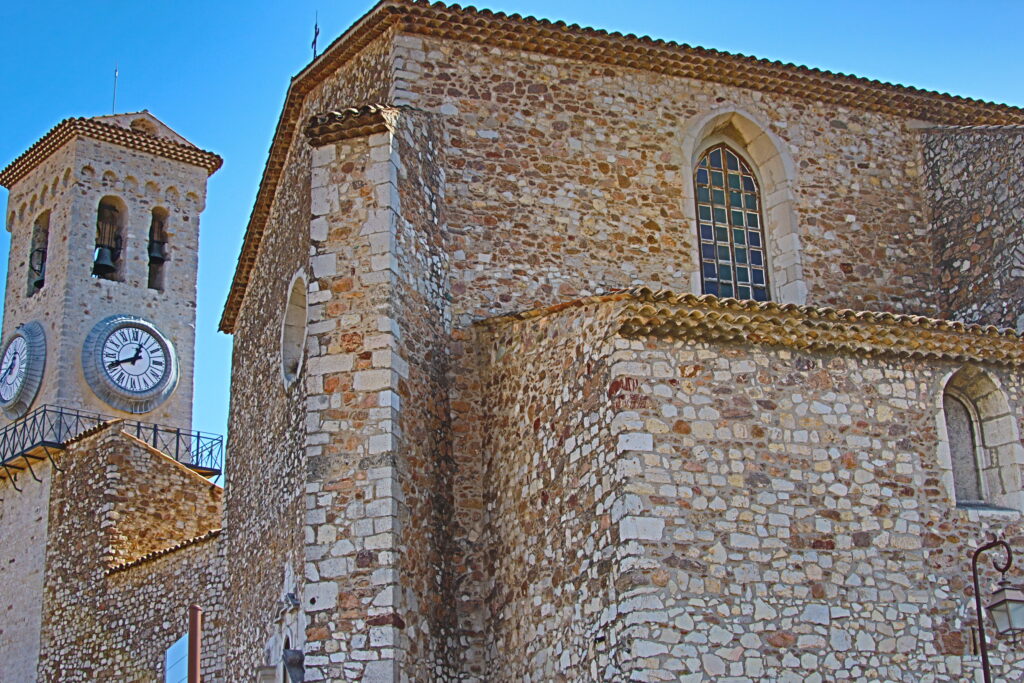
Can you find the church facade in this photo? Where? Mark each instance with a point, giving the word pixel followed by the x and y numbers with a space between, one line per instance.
pixel 568 355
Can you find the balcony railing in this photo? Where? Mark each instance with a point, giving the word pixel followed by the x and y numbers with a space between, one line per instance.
pixel 50 427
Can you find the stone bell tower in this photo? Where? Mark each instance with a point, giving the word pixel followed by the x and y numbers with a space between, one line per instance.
pixel 104 221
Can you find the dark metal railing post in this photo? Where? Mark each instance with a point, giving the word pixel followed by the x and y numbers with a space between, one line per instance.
pixel 977 596
pixel 195 642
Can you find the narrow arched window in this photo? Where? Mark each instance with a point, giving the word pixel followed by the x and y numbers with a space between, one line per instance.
pixel 293 330
pixel 962 432
pixel 157 249
pixel 730 227
pixel 37 253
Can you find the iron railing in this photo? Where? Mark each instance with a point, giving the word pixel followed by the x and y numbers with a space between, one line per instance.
pixel 50 427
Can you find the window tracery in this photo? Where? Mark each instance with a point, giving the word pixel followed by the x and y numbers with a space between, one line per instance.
pixel 730 226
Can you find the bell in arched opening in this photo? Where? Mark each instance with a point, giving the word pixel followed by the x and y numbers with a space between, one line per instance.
pixel 37 262
pixel 108 242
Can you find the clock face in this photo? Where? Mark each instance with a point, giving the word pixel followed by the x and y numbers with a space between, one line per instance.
pixel 12 368
pixel 21 369
pixel 129 364
pixel 134 359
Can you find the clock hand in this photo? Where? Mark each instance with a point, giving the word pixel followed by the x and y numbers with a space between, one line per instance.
pixel 10 367
pixel 138 356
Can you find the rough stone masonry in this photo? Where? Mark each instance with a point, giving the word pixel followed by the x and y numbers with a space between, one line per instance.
pixel 512 472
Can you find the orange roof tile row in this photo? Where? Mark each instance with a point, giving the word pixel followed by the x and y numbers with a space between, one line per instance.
pixel 125 137
pixel 664 314
pixel 589 45
pixel 355 122
pixel 686 316
pixel 213 533
pixel 1015 128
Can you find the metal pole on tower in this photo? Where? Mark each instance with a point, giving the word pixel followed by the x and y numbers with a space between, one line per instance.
pixel 113 103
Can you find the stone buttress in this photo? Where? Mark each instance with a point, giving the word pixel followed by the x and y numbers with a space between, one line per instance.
pixel 377 417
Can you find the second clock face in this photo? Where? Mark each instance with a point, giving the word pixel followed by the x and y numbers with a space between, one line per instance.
pixel 12 368
pixel 21 369
pixel 134 359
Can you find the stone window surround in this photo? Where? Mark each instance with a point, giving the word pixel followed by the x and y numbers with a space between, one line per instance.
pixel 997 438
pixel 767 156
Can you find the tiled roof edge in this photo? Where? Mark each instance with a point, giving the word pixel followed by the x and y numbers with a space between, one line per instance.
pixel 91 431
pixel 1015 128
pixel 70 128
pixel 665 314
pixel 420 17
pixel 353 122
pixel 532 313
pixel 472 24
pixel 209 535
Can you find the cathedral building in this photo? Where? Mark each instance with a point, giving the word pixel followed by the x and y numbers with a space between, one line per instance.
pixel 559 355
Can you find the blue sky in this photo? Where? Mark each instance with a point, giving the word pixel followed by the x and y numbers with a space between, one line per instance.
pixel 217 72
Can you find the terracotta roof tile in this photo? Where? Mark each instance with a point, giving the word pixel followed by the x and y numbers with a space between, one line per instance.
pixel 68 129
pixel 668 315
pixel 1008 128
pixel 334 126
pixel 91 431
pixel 515 32
pixel 164 551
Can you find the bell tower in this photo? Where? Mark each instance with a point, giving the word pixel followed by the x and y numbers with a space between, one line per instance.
pixel 100 307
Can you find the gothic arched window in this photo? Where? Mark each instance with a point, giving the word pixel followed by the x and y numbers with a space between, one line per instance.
pixel 729 226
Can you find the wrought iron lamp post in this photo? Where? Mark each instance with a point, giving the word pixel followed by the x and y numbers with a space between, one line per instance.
pixel 1007 606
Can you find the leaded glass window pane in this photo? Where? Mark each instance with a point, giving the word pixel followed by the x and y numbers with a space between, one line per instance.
pixel 731 229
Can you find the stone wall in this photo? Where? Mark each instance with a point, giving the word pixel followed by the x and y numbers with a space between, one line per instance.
pixel 567 178
pixel 23 535
pixel 267 460
pixel 377 445
pixel 658 510
pixel 152 598
pixel 156 503
pixel 539 420
pixel 99 623
pixel 792 520
pixel 977 207
pixel 419 266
